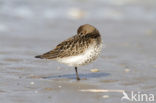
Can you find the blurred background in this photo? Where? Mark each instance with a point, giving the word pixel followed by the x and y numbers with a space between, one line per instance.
pixel 32 27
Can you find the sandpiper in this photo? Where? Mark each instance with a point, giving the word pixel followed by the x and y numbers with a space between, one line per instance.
pixel 81 49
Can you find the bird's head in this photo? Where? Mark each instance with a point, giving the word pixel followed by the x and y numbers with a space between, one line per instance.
pixel 86 29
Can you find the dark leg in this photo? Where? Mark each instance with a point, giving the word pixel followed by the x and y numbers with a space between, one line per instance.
pixel 77 76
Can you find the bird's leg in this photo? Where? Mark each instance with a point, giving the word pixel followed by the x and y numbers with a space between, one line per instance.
pixel 77 75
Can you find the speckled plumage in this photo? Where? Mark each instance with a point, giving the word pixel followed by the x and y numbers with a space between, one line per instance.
pixel 78 50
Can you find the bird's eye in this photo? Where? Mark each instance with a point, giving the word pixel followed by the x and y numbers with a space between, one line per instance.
pixel 81 33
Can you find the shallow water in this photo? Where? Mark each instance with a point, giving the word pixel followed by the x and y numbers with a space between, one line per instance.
pixel 31 27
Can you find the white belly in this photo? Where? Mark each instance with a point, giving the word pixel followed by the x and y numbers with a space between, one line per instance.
pixel 88 56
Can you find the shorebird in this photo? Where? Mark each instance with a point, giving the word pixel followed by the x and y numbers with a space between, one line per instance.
pixel 81 49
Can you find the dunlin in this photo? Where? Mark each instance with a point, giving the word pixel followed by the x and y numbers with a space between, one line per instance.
pixel 81 49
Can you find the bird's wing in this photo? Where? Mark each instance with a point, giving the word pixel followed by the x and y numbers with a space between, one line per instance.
pixel 70 47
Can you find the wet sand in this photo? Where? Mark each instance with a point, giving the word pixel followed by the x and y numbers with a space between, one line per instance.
pixel 127 62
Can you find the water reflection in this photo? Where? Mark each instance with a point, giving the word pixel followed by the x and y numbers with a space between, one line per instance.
pixel 72 76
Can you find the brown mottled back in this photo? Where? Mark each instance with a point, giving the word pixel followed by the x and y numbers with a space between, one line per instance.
pixel 75 45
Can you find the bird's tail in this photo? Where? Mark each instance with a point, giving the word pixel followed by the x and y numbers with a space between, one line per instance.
pixel 48 55
pixel 38 56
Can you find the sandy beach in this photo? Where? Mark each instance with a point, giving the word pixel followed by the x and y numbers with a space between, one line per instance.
pixel 127 62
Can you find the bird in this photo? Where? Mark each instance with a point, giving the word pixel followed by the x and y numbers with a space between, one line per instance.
pixel 78 50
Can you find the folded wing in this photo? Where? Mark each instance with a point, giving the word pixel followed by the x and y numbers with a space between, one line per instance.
pixel 67 48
